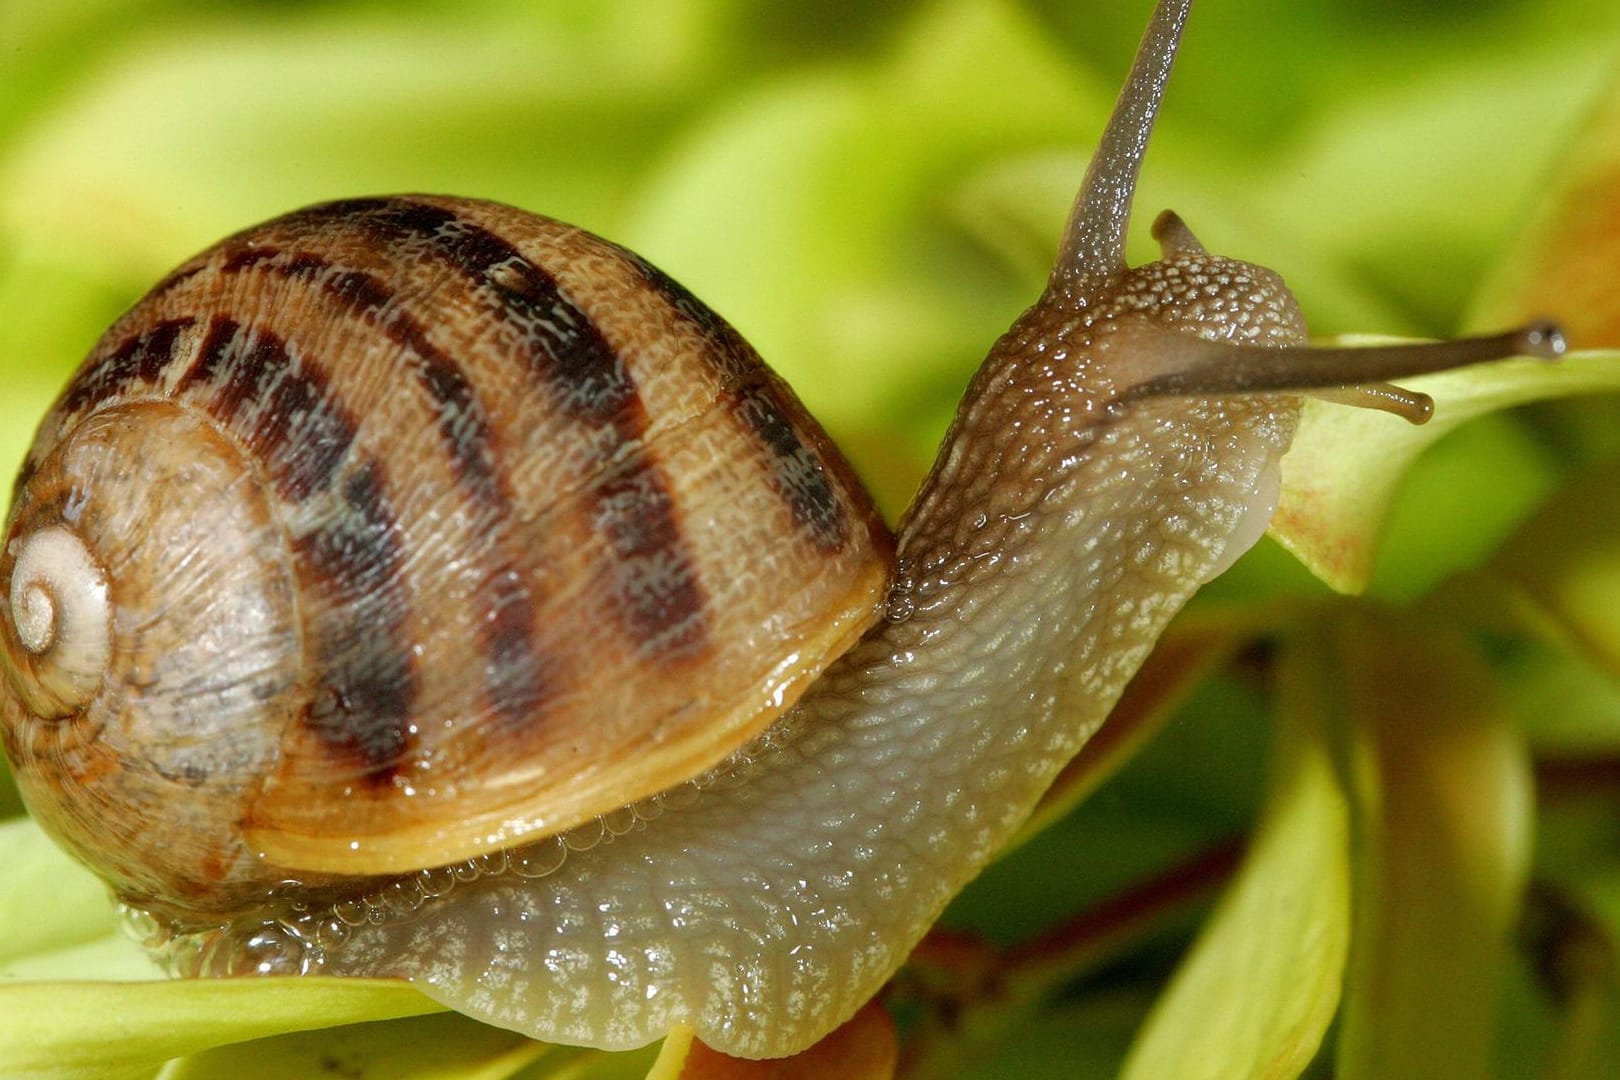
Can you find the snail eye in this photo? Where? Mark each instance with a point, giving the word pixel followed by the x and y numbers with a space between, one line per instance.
pixel 59 605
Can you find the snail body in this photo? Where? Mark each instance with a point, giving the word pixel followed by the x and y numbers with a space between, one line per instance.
pixel 549 558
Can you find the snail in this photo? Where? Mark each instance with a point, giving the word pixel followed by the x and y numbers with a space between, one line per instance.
pixel 415 587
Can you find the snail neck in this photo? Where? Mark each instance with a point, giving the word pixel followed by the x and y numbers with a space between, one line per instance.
pixel 1061 530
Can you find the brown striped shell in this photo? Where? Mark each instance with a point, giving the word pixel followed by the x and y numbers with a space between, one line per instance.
pixel 419 526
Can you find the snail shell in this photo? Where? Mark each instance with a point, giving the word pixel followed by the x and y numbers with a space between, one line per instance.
pixel 392 531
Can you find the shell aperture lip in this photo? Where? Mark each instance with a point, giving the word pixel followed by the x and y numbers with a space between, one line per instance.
pixel 59 605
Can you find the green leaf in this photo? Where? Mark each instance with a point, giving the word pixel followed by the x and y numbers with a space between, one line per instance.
pixel 1256 994
pixel 346 99
pixel 1412 180
pixel 1564 565
pixel 1346 465
pixel 106 1030
pixel 48 902
pixel 1440 785
pixel 1567 256
pixel 425 1048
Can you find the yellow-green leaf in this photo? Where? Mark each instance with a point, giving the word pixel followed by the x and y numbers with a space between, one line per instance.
pixel 1440 787
pixel 48 902
pixel 1258 990
pixel 1346 465
pixel 1567 257
pixel 94 1030
pixel 426 1048
pixel 1565 564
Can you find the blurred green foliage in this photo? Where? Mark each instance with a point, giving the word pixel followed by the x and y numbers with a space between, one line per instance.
pixel 871 192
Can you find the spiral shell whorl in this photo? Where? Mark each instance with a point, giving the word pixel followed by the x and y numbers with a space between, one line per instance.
pixel 60 610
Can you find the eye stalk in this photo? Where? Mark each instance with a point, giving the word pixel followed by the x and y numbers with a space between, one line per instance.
pixel 59 606
pixel 1352 376
pixel 1196 366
